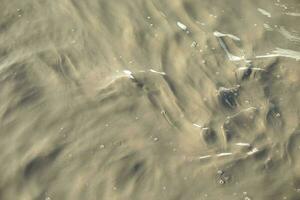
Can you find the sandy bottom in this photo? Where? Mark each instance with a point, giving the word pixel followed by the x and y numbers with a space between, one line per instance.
pixel 150 100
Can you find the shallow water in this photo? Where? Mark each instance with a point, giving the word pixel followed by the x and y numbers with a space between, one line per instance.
pixel 150 99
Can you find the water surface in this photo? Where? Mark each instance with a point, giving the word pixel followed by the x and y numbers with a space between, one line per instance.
pixel 150 99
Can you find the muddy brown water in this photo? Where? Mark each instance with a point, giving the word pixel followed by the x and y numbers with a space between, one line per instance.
pixel 150 100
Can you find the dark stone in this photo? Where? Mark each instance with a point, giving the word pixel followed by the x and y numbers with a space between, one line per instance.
pixel 209 135
pixel 247 73
pixel 227 97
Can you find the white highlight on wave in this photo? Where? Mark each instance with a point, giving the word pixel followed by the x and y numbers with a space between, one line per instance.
pixel 264 12
pixel 219 34
pixel 288 35
pixel 278 52
pixel 157 72
pixel 293 14
pixel 128 74
pixel 230 56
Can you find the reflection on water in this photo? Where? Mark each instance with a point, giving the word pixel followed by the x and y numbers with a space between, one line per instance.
pixel 150 99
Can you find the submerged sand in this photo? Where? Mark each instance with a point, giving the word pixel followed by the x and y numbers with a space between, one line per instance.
pixel 150 99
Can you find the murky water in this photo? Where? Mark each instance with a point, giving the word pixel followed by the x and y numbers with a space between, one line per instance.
pixel 150 99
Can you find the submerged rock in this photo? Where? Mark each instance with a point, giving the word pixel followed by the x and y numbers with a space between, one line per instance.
pixel 227 97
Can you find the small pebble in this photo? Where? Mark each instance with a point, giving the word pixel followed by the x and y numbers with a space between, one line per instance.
pixel 194 44
pixel 182 26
